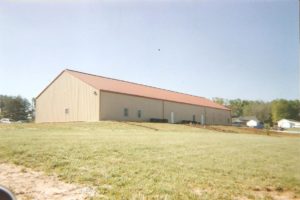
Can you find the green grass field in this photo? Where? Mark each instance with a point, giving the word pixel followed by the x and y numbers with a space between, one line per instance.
pixel 156 161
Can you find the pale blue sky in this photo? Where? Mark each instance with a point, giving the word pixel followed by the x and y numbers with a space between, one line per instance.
pixel 245 49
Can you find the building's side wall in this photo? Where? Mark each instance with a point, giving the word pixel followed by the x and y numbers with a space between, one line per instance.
pixel 68 92
pixel 218 116
pixel 113 105
pixel 186 112
pixel 182 111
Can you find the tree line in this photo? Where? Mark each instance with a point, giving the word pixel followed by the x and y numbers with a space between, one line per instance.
pixel 267 112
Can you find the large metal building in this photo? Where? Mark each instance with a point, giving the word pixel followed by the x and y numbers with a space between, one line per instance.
pixel 78 96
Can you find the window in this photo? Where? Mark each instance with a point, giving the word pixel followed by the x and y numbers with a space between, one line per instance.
pixel 139 113
pixel 194 118
pixel 66 110
pixel 125 112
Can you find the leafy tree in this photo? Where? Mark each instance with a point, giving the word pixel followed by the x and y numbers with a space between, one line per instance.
pixel 15 108
pixel 32 110
pixel 284 109
pixel 295 109
pixel 236 106
pixel 219 100
pixel 260 109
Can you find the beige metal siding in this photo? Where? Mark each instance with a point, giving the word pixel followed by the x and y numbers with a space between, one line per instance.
pixel 113 104
pixel 186 112
pixel 182 111
pixel 68 92
pixel 217 116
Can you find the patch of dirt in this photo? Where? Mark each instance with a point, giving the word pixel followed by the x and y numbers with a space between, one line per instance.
pixel 198 192
pixel 241 198
pixel 201 192
pixel 275 193
pixel 28 184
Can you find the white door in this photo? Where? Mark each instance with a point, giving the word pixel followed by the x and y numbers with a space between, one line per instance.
pixel 172 117
pixel 202 119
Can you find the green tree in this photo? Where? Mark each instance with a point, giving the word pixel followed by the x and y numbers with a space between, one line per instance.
pixel 236 106
pixel 260 109
pixel 220 101
pixel 295 109
pixel 284 109
pixel 15 108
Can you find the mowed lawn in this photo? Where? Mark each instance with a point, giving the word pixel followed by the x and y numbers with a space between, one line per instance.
pixel 156 161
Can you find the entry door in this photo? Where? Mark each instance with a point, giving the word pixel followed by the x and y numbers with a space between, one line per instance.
pixel 202 119
pixel 172 117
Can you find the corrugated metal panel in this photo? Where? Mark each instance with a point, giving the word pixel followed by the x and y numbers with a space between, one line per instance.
pixel 185 112
pixel 68 99
pixel 113 105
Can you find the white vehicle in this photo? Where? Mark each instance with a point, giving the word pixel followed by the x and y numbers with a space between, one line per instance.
pixel 5 121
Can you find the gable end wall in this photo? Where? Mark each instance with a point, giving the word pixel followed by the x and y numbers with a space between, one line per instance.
pixel 68 92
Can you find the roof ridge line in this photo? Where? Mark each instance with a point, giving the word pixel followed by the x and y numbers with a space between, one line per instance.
pixel 135 83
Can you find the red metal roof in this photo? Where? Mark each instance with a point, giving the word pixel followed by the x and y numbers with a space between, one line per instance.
pixel 125 87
